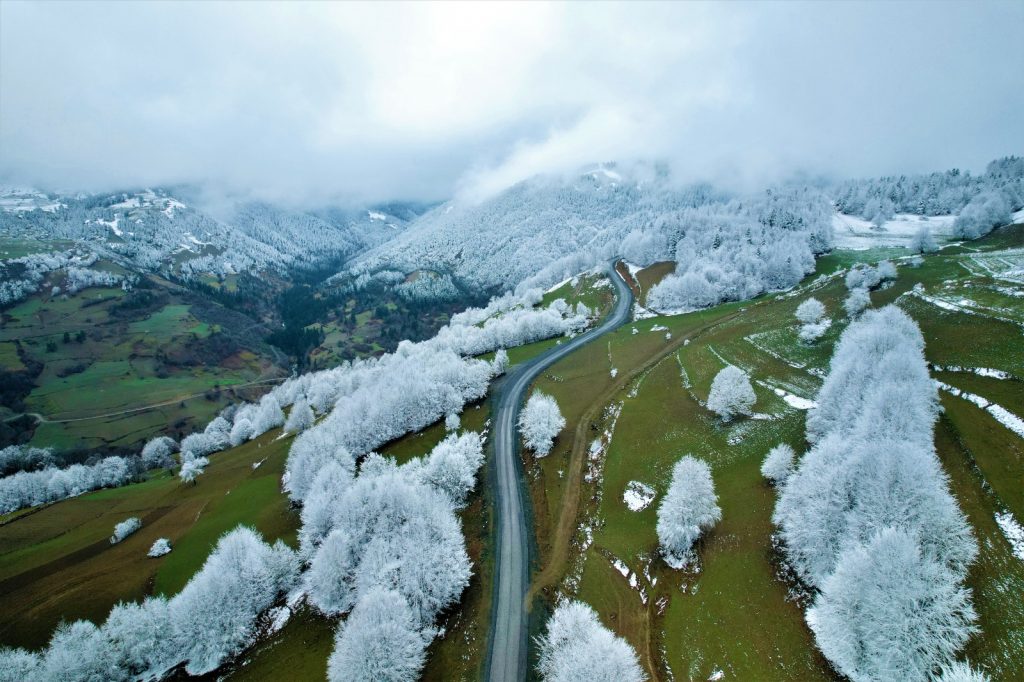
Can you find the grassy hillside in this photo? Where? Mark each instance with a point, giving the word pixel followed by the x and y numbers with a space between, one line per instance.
pixel 105 369
pixel 735 612
pixel 56 562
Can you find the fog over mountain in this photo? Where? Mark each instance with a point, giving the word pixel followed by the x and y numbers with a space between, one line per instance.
pixel 316 103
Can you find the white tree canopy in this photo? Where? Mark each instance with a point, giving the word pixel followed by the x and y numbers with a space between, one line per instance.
pixel 810 311
pixel 778 464
pixel 577 648
pixel 539 422
pixel 379 641
pixel 890 613
pixel 731 393
pixel 688 509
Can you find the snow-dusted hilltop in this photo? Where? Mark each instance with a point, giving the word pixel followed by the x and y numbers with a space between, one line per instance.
pixel 726 246
pixel 161 230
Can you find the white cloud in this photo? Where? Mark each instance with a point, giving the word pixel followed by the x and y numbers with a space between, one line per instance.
pixel 370 101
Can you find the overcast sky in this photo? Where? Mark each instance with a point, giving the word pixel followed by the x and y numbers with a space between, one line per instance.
pixel 371 102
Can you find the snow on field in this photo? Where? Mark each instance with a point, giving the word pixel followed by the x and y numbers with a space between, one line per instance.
pixel 638 496
pixel 852 232
pixel 980 371
pixel 1000 413
pixel 18 199
pixel 1017 217
pixel 1013 531
pixel 791 399
pixel 112 224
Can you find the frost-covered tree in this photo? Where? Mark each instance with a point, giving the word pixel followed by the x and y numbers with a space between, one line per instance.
pixel 961 672
pixel 15 458
pixel 268 416
pixel 871 353
pixel 539 422
pixel 856 302
pixel 29 488
pixel 810 311
pixel 452 422
pixel 889 612
pixel 330 483
pixel 158 453
pixel 923 241
pixel 986 211
pixel 300 418
pixel 160 547
pixel 380 640
pixel 886 270
pixel 241 431
pixel 452 465
pixel 731 393
pixel 778 464
pixel 500 363
pixel 576 647
pixel 689 508
pixel 215 614
pixel 395 532
pixel 124 529
pixel 192 468
pixel 218 431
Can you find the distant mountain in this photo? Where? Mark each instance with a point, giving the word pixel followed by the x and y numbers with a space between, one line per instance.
pixel 157 230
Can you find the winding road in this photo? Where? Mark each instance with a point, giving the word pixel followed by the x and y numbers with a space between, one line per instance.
pixel 506 654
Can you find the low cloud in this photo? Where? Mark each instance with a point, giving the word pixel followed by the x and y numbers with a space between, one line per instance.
pixel 344 102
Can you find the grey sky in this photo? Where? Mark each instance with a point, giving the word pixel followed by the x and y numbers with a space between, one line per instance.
pixel 370 102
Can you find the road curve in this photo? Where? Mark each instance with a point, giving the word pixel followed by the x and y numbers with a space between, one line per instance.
pixel 506 652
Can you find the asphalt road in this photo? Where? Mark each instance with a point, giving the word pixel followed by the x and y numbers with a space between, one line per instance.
pixel 506 654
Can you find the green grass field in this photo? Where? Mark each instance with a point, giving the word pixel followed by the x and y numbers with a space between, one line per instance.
pixel 101 363
pixel 56 562
pixel 733 613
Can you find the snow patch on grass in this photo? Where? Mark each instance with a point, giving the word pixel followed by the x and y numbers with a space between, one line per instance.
pixel 1013 531
pixel 1000 413
pixel 638 496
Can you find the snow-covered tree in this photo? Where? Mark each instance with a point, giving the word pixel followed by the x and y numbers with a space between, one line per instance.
pixel 160 547
pixel 215 614
pixel 380 640
pixel 300 418
pixel 809 333
pixel 576 647
pixel 124 529
pixel 689 508
pixel 268 416
pixel 219 433
pixel 961 672
pixel 856 302
pixel 452 466
pixel 241 431
pixel 330 483
pixel 452 422
pixel 886 270
pixel 192 468
pixel 986 211
pixel 500 363
pixel 158 453
pixel 539 422
pixel 889 612
pixel 810 311
pixel 778 464
pixel 395 532
pixel 923 241
pixel 731 393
